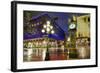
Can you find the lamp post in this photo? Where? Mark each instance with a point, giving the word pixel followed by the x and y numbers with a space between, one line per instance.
pixel 47 29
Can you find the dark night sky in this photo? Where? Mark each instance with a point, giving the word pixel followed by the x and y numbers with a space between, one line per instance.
pixel 62 17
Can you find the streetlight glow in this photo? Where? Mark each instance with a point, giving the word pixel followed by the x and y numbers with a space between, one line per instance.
pixel 48 25
pixel 48 22
pixel 43 30
pixel 48 29
pixel 44 26
pixel 52 32
pixel 51 27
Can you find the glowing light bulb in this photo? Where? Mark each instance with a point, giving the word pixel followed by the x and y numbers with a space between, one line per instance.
pixel 52 32
pixel 48 29
pixel 48 25
pixel 48 22
pixel 44 26
pixel 43 30
pixel 51 27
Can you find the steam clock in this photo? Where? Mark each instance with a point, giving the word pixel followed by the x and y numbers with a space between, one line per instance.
pixel 72 31
pixel 71 40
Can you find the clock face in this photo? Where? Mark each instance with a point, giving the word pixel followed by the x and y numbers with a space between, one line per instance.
pixel 72 26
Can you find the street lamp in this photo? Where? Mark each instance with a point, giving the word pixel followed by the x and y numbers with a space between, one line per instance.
pixel 48 29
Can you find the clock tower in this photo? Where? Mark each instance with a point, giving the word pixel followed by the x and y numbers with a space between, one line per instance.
pixel 72 26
